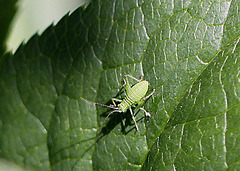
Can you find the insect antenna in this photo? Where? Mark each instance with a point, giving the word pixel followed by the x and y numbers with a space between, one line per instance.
pixel 109 106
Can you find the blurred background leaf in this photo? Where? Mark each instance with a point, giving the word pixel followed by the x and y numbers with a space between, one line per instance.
pixel 35 16
pixel 7 12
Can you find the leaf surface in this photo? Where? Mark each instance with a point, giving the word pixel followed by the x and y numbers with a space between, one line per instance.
pixel 187 50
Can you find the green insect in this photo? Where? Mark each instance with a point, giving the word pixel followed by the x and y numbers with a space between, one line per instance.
pixel 135 95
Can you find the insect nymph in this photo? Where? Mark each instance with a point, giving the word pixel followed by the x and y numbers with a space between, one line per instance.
pixel 135 96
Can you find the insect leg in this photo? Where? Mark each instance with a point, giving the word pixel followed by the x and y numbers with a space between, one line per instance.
pixel 128 87
pixel 112 112
pixel 128 75
pixel 146 113
pixel 145 98
pixel 126 83
pixel 134 119
pixel 117 100
pixel 105 120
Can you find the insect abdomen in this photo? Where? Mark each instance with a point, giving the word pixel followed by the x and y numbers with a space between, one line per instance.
pixel 138 91
pixel 134 95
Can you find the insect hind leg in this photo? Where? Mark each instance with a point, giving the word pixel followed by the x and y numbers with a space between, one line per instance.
pixel 126 83
pixel 128 75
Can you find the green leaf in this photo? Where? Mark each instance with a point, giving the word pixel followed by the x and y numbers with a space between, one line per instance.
pixel 7 12
pixel 188 51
